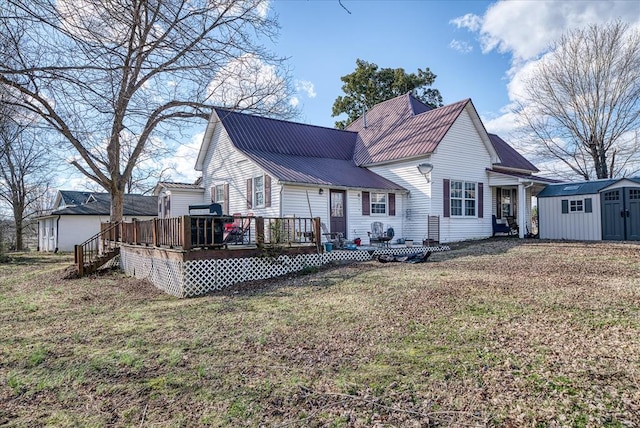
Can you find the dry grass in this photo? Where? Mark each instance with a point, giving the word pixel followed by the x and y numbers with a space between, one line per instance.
pixel 497 333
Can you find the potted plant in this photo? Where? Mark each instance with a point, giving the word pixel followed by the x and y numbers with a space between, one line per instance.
pixel 408 242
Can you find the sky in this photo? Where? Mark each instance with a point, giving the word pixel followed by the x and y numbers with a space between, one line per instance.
pixel 477 49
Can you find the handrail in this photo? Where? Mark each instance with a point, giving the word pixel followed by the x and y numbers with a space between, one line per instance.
pixel 87 252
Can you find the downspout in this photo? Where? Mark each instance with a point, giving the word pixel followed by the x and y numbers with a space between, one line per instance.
pixel 57 232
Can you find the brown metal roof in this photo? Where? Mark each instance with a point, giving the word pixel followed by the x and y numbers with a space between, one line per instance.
pixel 509 157
pixel 399 128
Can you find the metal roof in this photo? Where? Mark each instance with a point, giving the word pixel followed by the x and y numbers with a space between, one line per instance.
pixel 262 134
pixel 399 129
pixel 581 188
pixel 509 157
pixel 525 176
pixel 320 171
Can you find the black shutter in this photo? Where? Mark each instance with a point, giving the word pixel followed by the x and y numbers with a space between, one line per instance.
pixel 392 204
pixel 480 200
pixel 587 205
pixel 366 205
pixel 446 193
pixel 498 202
pixel 565 206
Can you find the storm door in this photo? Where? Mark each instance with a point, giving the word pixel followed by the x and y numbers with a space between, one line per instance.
pixel 337 215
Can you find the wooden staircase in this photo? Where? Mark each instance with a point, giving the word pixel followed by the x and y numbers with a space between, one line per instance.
pixel 96 251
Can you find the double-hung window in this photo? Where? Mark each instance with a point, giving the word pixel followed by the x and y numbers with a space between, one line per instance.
pixel 463 198
pixel 378 203
pixel 219 194
pixel 258 191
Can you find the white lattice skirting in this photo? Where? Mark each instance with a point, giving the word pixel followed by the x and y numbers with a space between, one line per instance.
pixel 198 277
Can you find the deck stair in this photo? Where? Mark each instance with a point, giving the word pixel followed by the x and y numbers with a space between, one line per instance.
pixel 98 250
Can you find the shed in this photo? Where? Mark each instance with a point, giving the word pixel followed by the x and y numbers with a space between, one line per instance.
pixel 595 210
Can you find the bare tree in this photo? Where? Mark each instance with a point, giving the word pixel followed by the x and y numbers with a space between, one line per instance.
pixel 107 74
pixel 24 172
pixel 582 102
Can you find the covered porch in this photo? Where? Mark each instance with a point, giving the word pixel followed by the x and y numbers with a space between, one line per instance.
pixel 512 194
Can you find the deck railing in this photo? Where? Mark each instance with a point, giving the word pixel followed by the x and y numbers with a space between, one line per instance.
pixel 207 231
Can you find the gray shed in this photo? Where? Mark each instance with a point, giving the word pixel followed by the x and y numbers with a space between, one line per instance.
pixel 591 210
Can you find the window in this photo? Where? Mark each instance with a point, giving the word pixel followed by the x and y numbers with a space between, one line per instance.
pixel 575 206
pixel 505 202
pixel 258 191
pixel 218 195
pixel 463 199
pixel 378 203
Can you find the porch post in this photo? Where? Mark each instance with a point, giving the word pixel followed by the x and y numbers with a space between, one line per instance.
pixel 522 210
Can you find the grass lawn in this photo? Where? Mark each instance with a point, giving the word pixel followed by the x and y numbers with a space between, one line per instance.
pixel 494 333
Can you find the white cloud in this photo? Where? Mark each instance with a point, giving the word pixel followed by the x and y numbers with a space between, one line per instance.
pixel 460 46
pixel 182 162
pixel 469 21
pixel 294 101
pixel 525 29
pixel 306 87
pixel 245 82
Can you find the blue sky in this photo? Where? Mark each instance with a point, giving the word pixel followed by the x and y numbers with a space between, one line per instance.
pixel 323 42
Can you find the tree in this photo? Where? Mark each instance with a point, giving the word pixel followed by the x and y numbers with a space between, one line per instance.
pixel 24 177
pixel 582 102
pixel 368 85
pixel 110 76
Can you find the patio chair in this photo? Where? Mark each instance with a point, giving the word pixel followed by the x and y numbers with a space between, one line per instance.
pixel 334 237
pixel 377 235
pixel 513 225
pixel 239 231
pixel 499 227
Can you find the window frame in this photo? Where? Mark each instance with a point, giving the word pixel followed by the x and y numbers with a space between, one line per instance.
pixel 576 206
pixel 374 202
pixel 458 195
pixel 255 191
pixel 218 188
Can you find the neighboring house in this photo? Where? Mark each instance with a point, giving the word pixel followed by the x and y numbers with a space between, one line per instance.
pixel 76 216
pixel 369 172
pixel 174 198
pixel 591 210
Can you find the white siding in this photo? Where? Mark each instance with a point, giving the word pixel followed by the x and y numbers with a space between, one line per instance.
pixel 180 200
pixel 461 155
pixel 224 164
pixel 573 225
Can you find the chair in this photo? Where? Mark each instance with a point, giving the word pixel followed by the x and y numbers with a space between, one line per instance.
pixel 335 237
pixel 238 232
pixel 499 227
pixel 378 235
pixel 513 225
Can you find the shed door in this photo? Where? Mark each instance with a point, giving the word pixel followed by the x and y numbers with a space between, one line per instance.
pixel 338 219
pixel 612 215
pixel 632 213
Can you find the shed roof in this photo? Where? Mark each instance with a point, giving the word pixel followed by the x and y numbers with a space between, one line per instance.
pixel 580 188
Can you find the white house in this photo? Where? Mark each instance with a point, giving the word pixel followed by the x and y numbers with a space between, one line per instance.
pixel 426 173
pixel 76 216
pixel 591 210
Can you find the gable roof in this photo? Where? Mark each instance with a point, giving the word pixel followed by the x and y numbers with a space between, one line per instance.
pixel 189 187
pixel 72 197
pixel 299 153
pixel 509 157
pixel 261 134
pixel 399 128
pixel 100 204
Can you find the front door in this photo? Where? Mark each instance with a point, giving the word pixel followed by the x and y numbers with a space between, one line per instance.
pixel 621 214
pixel 337 215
